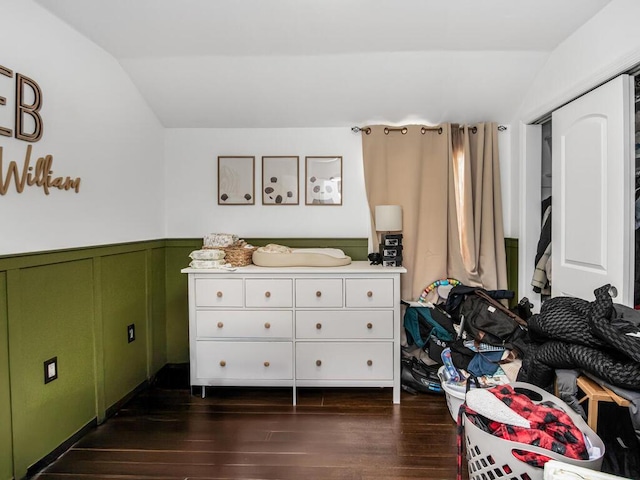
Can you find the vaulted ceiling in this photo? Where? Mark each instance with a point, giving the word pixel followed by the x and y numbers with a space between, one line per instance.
pixel 318 63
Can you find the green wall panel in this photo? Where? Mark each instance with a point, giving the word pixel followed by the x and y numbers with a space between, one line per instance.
pixel 158 333
pixel 511 247
pixel 124 301
pixel 177 258
pixel 50 312
pixel 6 447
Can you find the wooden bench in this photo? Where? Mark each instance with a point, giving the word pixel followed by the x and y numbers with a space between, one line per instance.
pixel 596 393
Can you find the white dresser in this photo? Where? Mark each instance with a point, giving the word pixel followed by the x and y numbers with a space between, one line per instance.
pixel 296 327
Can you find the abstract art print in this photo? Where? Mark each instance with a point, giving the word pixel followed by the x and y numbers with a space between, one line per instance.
pixel 280 180
pixel 236 182
pixel 323 181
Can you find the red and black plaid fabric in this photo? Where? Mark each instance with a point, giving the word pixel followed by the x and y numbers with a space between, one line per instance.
pixel 551 428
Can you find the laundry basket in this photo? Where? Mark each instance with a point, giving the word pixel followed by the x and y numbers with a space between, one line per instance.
pixel 454 397
pixel 489 456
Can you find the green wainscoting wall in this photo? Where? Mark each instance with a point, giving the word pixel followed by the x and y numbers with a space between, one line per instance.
pixel 157 346
pixel 6 444
pixel 124 303
pixel 50 315
pixel 76 305
pixel 511 247
pixel 177 302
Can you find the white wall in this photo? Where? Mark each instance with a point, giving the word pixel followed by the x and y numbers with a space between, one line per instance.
pixel 508 183
pixel 96 127
pixel 191 183
pixel 607 45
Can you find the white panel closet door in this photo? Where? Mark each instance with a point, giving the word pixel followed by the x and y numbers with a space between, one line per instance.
pixel 592 185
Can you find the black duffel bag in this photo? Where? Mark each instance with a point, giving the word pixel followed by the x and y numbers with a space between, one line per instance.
pixel 486 320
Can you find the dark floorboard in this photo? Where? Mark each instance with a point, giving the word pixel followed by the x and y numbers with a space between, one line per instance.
pixel 255 433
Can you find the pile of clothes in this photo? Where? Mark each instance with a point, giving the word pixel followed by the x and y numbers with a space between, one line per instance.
pixel 436 339
pixel 599 339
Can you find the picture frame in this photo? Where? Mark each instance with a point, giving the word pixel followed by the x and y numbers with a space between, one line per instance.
pixel 236 180
pixel 323 180
pixel 280 180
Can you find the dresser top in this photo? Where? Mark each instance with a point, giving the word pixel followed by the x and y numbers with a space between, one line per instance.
pixel 353 267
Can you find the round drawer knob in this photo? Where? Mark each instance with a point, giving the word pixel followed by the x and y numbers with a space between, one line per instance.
pixel 318 363
pixel 369 294
pixel 223 363
pixel 267 294
pixel 318 293
pixel 267 325
pixel 369 326
pixel 220 324
pixel 318 326
pixel 369 362
pixel 219 294
pixel 266 364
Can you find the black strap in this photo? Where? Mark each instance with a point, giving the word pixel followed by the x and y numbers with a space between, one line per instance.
pixel 482 294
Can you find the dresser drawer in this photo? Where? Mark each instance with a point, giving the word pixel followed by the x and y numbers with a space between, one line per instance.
pixel 369 292
pixel 344 361
pixel 328 324
pixel 269 293
pixel 319 292
pixel 218 292
pixel 244 324
pixel 244 360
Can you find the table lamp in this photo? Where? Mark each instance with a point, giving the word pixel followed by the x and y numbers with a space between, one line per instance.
pixel 388 218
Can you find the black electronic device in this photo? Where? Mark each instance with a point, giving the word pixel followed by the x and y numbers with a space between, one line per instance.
pixel 392 263
pixel 391 250
pixel 392 239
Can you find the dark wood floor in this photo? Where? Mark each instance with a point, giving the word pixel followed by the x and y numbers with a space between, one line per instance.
pixel 249 433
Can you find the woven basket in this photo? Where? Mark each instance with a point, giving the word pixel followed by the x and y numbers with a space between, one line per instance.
pixel 239 254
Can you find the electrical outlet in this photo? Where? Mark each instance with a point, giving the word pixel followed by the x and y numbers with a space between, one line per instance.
pixel 51 370
pixel 131 332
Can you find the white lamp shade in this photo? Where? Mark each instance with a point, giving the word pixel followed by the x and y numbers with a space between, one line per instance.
pixel 388 218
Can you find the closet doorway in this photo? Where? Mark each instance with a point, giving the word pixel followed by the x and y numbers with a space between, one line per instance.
pixel 542 273
pixel 593 191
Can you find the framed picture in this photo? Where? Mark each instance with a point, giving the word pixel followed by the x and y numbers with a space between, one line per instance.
pixel 236 180
pixel 280 181
pixel 323 181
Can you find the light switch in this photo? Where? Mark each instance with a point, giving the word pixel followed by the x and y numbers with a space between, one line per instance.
pixel 131 332
pixel 50 369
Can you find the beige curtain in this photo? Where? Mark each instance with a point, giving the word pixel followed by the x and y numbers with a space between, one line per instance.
pixel 447 180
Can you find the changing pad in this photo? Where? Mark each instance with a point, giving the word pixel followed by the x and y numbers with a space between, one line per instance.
pixel 279 256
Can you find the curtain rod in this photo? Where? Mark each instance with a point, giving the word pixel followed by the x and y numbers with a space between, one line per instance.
pixel 423 129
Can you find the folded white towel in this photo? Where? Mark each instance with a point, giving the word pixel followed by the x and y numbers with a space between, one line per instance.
pixel 206 263
pixel 207 254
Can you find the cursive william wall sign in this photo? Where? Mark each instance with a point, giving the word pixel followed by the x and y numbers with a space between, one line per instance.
pixel 38 173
